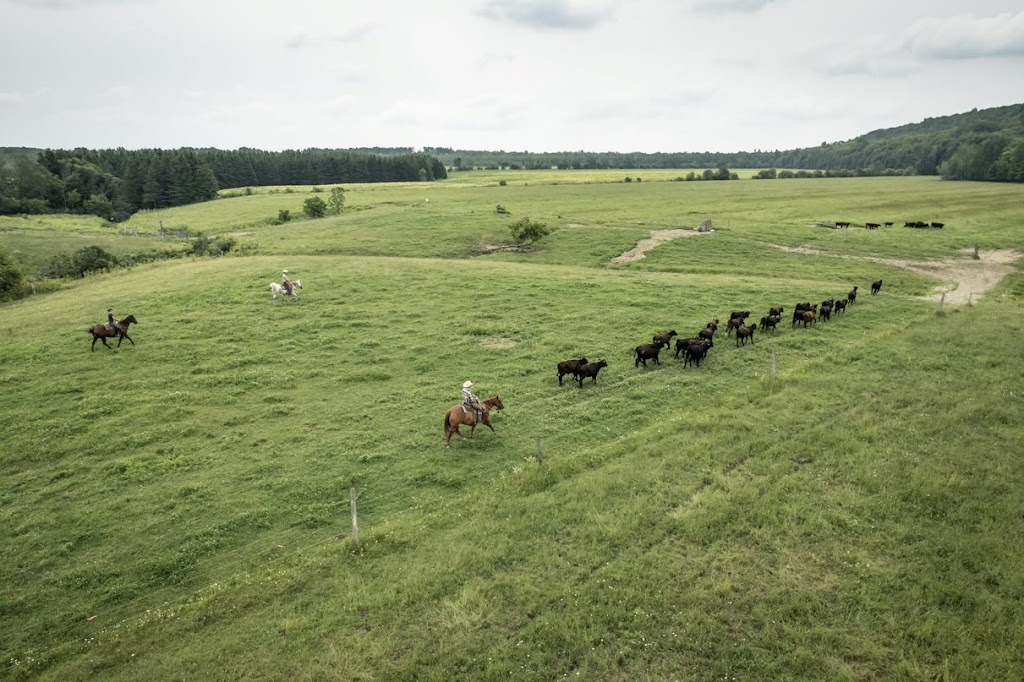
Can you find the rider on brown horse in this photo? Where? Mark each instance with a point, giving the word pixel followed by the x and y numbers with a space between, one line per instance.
pixel 287 283
pixel 471 402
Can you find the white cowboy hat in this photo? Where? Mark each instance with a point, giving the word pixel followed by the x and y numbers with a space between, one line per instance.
pixel 284 271
pixel 467 384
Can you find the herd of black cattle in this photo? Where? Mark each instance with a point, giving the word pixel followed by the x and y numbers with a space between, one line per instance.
pixel 843 224
pixel 696 349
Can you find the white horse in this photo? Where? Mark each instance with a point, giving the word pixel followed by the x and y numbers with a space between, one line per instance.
pixel 278 288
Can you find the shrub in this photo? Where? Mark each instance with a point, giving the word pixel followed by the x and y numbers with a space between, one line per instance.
pixel 314 207
pixel 502 183
pixel 501 209
pixel 525 231
pixel 337 200
pixel 283 216
pixel 10 276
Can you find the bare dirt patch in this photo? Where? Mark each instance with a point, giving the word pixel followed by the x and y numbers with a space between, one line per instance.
pixel 657 238
pixel 965 279
pixel 500 343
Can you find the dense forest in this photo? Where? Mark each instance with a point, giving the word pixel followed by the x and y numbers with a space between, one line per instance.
pixel 985 145
pixel 114 183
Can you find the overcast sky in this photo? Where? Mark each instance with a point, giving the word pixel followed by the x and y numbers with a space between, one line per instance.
pixel 526 75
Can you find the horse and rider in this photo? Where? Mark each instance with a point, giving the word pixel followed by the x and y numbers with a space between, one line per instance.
pixel 113 328
pixel 289 288
pixel 471 412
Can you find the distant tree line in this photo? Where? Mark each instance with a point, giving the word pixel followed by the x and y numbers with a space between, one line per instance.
pixel 976 145
pixel 115 183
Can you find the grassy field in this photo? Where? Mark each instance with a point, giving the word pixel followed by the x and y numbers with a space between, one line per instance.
pixel 180 508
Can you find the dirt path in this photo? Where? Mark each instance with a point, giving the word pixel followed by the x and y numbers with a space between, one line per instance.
pixel 969 278
pixel 658 237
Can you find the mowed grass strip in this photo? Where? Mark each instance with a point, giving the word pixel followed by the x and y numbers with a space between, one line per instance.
pixel 189 491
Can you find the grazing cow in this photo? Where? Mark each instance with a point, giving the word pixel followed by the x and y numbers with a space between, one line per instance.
pixel 938 225
pixel 744 333
pixel 887 224
pixel 696 350
pixel 876 287
pixel 872 226
pixel 570 367
pixel 851 297
pixel 776 312
pixel 590 370
pixel 769 322
pixel 841 225
pixel 808 317
pixel 645 353
pixel 840 307
pixel 665 339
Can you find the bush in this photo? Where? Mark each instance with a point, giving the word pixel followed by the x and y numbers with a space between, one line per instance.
pixel 501 209
pixel 10 276
pixel 283 216
pixel 525 231
pixel 337 200
pixel 314 207
pixel 502 183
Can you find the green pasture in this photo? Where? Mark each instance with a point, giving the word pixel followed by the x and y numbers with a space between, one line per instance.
pixel 836 502
pixel 34 240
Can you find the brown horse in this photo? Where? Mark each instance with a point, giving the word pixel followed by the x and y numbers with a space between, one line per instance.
pixel 459 415
pixel 102 332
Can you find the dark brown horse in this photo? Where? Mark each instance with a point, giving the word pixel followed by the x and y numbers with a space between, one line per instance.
pixel 102 332
pixel 459 415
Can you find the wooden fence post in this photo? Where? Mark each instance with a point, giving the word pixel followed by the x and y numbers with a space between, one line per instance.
pixel 355 518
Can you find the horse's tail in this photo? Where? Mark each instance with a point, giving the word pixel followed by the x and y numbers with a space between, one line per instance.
pixel 447 420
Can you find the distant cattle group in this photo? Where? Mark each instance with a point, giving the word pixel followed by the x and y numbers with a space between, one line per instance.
pixel 694 350
pixel 844 224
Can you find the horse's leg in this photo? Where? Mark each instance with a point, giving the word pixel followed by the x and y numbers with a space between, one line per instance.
pixel 104 340
pixel 127 337
pixel 94 341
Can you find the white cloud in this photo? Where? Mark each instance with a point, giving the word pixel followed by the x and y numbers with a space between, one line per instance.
pixel 545 14
pixel 731 6
pixel 968 37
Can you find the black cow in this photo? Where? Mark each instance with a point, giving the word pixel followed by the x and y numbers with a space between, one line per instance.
pixel 681 344
pixel 775 312
pixel 590 370
pixel 570 367
pixel 842 224
pixel 840 307
pixel 851 297
pixel 799 310
pixel 744 333
pixel 665 339
pixel 887 224
pixel 645 353
pixel 696 350
pixel 708 333
pixel 876 287
pixel 736 320
pixel 825 312
pixel 769 322
pixel 872 226
pixel 938 225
